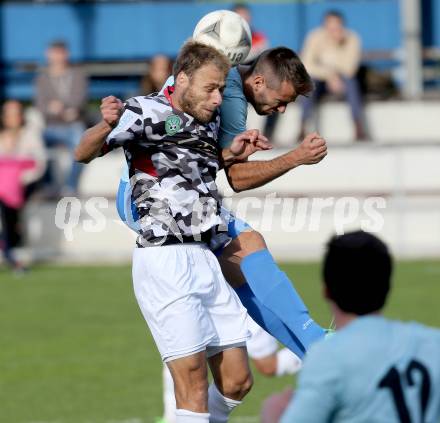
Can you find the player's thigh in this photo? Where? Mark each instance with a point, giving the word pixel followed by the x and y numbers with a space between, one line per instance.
pixel 169 284
pixel 230 265
pixel 246 243
pixel 231 372
pixel 245 240
pixel 190 377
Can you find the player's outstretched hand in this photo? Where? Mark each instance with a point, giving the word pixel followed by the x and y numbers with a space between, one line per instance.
pixel 247 143
pixel 312 149
pixel 111 109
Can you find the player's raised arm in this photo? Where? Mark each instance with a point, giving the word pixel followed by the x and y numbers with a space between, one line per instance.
pixel 253 174
pixel 94 138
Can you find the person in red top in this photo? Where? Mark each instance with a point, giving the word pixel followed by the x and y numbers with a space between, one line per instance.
pixel 259 39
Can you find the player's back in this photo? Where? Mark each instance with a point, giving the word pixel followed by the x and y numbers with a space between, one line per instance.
pixel 390 372
pixel 373 370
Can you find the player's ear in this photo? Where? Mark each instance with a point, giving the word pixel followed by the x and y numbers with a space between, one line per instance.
pixel 326 292
pixel 259 82
pixel 182 79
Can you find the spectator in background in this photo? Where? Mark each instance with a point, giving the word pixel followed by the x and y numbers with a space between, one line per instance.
pixel 159 69
pixel 22 163
pixel 372 369
pixel 61 95
pixel 332 56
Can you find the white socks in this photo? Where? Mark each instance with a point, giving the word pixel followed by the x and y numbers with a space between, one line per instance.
pixel 169 400
pixel 185 416
pixel 288 363
pixel 219 406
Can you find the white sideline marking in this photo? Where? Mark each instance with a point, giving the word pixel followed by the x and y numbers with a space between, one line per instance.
pixel 239 419
pixel 135 420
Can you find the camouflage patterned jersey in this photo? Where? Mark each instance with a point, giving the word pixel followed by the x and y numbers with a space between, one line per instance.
pixel 173 162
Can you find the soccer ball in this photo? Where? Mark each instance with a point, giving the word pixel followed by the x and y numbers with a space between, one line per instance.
pixel 226 31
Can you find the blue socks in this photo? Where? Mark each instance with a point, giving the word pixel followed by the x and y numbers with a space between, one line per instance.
pixel 268 320
pixel 275 292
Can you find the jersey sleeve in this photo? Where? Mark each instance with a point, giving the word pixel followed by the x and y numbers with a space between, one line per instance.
pixel 129 128
pixel 233 114
pixel 315 400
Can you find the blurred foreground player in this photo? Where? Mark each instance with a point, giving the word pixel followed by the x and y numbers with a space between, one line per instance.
pixel 373 369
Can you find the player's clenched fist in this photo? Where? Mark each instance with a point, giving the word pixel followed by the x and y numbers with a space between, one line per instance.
pixel 312 149
pixel 111 109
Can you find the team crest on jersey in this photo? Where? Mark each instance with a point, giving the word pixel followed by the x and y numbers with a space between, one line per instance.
pixel 172 124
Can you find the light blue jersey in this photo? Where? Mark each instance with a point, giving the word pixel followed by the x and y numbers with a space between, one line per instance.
pixel 373 370
pixel 233 111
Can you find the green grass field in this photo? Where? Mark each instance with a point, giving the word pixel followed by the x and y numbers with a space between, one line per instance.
pixel 75 349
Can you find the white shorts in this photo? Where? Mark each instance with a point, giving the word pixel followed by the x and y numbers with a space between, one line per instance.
pixel 261 344
pixel 187 303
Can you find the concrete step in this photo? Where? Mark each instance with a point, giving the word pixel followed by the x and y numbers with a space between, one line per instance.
pixel 361 169
pixel 388 122
pixel 356 170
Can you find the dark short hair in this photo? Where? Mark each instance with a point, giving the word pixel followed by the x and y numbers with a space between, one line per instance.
pixel 285 65
pixel 357 272
pixel 238 6
pixel 194 55
pixel 58 44
pixel 334 14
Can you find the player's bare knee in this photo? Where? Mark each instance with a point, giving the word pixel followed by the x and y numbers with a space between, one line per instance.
pixel 250 242
pixel 238 386
pixel 247 384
